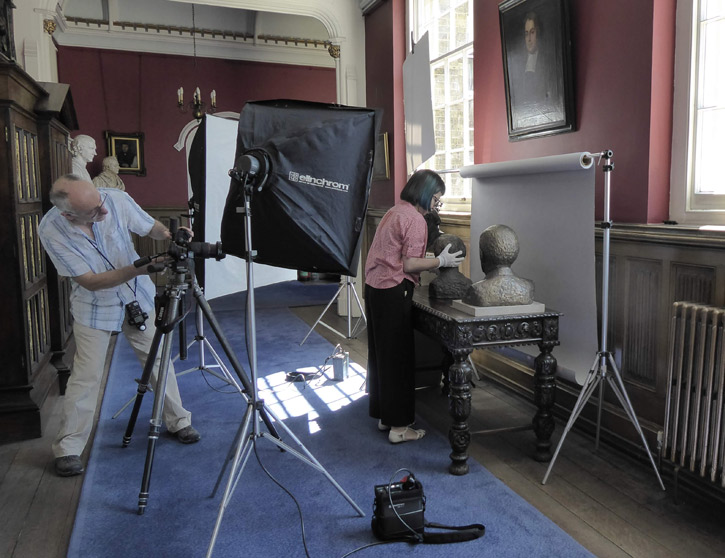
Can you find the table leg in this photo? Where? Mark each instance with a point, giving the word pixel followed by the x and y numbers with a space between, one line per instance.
pixel 459 405
pixel 544 397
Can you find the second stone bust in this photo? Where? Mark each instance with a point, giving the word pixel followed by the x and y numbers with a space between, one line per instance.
pixel 450 283
pixel 499 248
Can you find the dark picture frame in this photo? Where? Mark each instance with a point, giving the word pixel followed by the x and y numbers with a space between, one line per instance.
pixel 128 150
pixel 536 46
pixel 381 161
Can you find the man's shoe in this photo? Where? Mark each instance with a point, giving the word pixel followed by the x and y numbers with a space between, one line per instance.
pixel 68 465
pixel 187 435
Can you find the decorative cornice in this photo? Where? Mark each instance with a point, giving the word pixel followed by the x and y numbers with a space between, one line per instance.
pixel 49 26
pixel 219 34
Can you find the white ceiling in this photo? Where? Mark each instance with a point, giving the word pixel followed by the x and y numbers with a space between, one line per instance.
pixel 220 32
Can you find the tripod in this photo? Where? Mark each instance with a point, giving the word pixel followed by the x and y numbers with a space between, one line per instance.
pixel 249 431
pixel 168 318
pixel 225 375
pixel 604 368
pixel 351 332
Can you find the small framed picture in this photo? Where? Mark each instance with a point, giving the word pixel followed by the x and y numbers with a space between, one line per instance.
pixel 128 150
pixel 381 164
pixel 537 66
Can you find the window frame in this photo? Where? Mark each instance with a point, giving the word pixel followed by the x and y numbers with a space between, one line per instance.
pixel 686 206
pixel 464 52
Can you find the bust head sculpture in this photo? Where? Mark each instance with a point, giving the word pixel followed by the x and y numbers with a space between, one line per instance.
pixel 450 283
pixel 109 177
pixel 499 248
pixel 83 149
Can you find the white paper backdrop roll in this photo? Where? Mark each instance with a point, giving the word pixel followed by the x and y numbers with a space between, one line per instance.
pixel 229 275
pixel 549 202
pixel 417 99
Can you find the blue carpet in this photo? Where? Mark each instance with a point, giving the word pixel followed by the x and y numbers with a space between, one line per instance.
pixel 330 418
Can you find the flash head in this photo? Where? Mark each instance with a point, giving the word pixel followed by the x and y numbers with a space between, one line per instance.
pixel 254 165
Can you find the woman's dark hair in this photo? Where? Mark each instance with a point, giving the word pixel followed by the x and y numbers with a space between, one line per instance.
pixel 422 186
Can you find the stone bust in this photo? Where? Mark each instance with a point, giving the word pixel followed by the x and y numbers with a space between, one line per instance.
pixel 109 177
pixel 499 248
pixel 83 149
pixel 450 283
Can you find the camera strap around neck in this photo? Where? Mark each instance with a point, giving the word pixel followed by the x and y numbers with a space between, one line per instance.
pixel 113 267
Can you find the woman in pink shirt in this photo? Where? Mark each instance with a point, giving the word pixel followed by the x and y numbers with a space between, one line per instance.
pixel 392 269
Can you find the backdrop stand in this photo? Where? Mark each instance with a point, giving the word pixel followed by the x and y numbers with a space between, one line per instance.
pixel 249 430
pixel 352 332
pixel 604 362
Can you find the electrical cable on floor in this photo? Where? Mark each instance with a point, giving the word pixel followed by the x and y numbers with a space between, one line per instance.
pixel 299 509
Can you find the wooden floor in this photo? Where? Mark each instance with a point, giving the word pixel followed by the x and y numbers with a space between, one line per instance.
pixel 608 503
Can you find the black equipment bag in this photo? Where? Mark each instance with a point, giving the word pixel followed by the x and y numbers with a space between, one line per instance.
pixel 399 515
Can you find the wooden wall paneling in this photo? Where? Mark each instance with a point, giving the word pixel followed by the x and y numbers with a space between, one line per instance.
pixel 26 376
pixel 55 161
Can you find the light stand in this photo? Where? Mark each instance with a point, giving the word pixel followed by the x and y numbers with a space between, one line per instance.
pixel 604 368
pixel 351 332
pixel 167 319
pixel 249 431
pixel 203 366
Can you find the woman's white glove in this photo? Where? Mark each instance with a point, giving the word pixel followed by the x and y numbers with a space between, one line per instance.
pixel 446 259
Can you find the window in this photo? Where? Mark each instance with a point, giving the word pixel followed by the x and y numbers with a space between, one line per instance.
pixel 698 190
pixel 449 24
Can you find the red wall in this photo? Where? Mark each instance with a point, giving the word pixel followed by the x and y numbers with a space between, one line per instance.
pixel 385 54
pixel 136 92
pixel 623 55
pixel 623 99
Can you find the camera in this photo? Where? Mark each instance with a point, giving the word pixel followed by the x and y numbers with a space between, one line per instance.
pixel 136 316
pixel 181 246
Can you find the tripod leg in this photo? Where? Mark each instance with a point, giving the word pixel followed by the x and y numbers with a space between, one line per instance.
pixel 142 386
pixel 621 394
pixel 242 433
pixel 155 423
pixel 243 446
pixel 226 347
pixel 602 385
pixel 592 379
pixel 322 314
pixel 308 458
pixel 362 318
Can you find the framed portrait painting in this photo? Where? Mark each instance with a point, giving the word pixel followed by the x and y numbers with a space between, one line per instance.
pixel 128 150
pixel 536 48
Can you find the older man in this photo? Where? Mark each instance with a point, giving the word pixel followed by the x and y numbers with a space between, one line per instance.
pixel 86 235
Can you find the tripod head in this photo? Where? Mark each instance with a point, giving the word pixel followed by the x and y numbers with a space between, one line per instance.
pixel 181 252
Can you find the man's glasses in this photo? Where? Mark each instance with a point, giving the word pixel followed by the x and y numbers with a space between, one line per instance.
pixel 96 211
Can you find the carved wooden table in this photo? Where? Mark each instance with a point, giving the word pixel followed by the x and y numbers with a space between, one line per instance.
pixel 460 333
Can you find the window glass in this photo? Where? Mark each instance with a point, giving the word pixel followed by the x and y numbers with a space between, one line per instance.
pixel 697 192
pixel 450 27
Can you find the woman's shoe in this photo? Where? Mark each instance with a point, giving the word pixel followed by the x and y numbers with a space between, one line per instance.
pixel 382 427
pixel 408 434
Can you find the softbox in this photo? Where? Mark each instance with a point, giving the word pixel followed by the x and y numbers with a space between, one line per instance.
pixel 308 209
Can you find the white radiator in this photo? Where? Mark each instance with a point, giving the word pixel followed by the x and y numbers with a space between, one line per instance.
pixel 694 436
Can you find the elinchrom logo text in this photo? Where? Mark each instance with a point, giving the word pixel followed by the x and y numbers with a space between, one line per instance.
pixel 319 182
